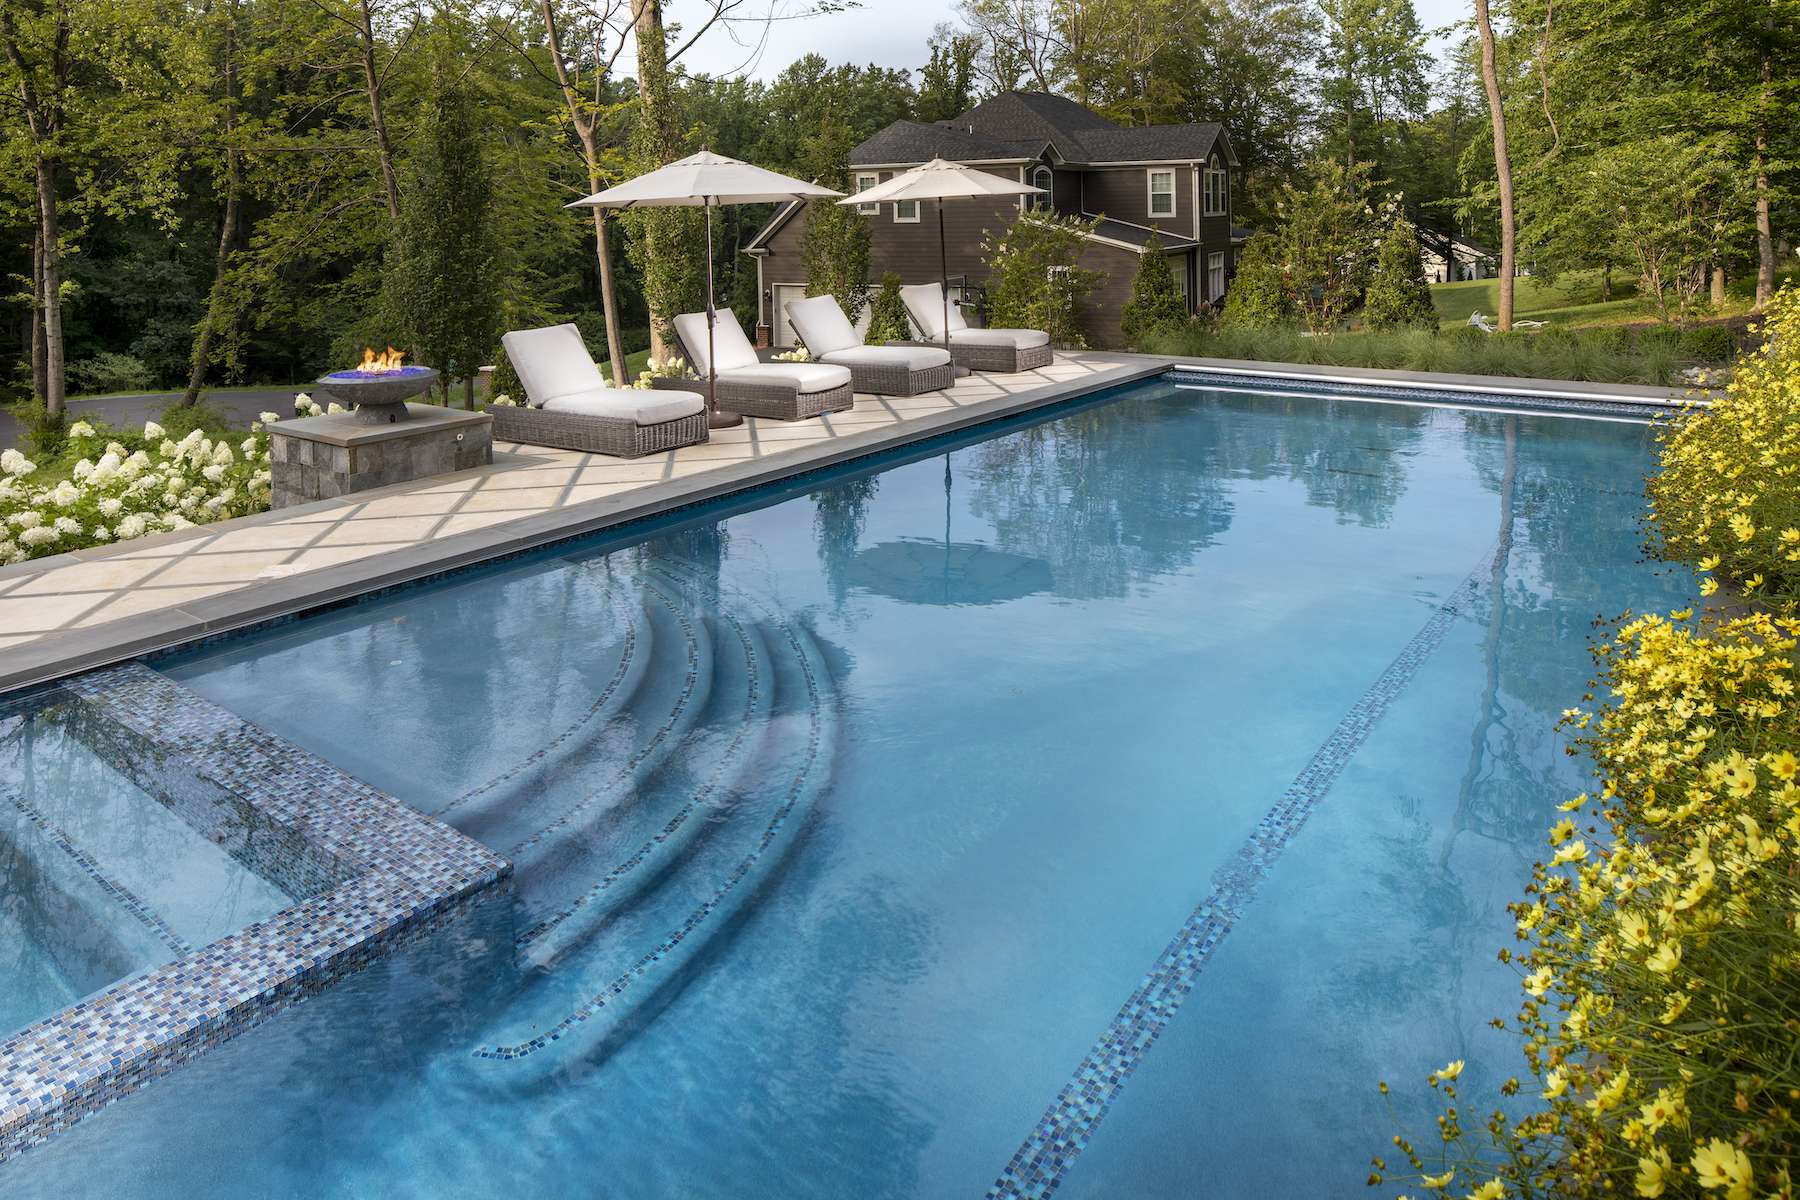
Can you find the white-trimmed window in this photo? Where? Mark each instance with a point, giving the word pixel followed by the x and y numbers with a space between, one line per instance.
pixel 1215 275
pixel 906 212
pixel 1162 192
pixel 1044 178
pixel 1216 188
pixel 1178 267
pixel 863 184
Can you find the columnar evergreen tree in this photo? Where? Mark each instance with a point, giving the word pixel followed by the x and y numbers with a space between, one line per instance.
pixel 834 247
pixel 888 321
pixel 1261 296
pixel 1398 295
pixel 668 245
pixel 1155 302
pixel 1326 243
pixel 441 287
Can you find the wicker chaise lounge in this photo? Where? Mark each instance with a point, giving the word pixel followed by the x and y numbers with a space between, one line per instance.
pixel 781 391
pixel 879 370
pixel 976 349
pixel 572 408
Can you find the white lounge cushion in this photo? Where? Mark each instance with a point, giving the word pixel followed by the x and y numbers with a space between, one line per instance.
pixel 730 347
pixel 925 305
pixel 630 404
pixel 1018 339
pixel 822 325
pixel 804 378
pixel 913 358
pixel 552 362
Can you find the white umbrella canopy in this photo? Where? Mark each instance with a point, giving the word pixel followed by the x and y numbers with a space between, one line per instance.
pixel 941 180
pixel 706 180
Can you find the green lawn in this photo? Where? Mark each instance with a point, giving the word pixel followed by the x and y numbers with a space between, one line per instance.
pixel 1574 299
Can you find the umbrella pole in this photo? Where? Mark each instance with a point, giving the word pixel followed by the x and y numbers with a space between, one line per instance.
pixel 944 270
pixel 714 418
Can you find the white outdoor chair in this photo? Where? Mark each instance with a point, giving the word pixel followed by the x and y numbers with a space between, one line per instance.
pixel 976 349
pixel 572 408
pixel 780 390
pixel 880 370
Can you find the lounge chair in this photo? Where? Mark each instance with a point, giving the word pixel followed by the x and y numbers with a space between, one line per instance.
pixel 881 370
pixel 572 408
pixel 976 349
pixel 780 391
pixel 1486 326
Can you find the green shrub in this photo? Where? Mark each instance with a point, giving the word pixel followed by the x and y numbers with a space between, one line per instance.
pixel 1034 281
pixel 887 314
pixel 109 372
pixel 1398 296
pixel 1708 343
pixel 1259 296
pixel 1155 302
pixel 505 380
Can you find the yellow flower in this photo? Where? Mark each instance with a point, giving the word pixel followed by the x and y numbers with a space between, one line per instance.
pixel 1652 1173
pixel 1719 1164
pixel 1562 831
pixel 1438 1183
pixel 1451 1070
pixel 1608 1094
pixel 1784 765
pixel 1493 1189
pixel 1575 851
pixel 1555 1084
pixel 1665 959
pixel 1634 928
pixel 1538 982
pixel 1660 1111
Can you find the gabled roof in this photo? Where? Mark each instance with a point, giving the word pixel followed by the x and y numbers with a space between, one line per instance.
pixel 1026 125
pixel 1137 236
pixel 913 142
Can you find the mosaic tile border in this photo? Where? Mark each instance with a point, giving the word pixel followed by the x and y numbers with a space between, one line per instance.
pixel 1062 1133
pixel 1349 388
pixel 406 874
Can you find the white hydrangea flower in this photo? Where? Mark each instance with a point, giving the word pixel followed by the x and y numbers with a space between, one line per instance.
pixel 213 472
pixel 39 535
pixel 81 429
pixel 82 470
pixel 68 525
pixel 116 448
pixel 111 507
pixel 173 521
pixel 153 432
pixel 222 454
pixel 132 526
pixel 176 486
pixel 247 447
pixel 16 464
pixel 334 408
pixel 302 398
pixel 268 418
pixel 27 519
pixel 168 449
pixel 102 534
pixel 65 494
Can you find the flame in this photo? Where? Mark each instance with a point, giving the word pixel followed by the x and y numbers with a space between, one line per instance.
pixel 380 364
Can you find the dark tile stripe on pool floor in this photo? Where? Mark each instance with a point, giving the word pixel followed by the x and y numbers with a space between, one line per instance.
pixel 1040 1163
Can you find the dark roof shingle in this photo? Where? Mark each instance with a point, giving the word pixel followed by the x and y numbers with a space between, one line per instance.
pixel 912 142
pixel 1019 125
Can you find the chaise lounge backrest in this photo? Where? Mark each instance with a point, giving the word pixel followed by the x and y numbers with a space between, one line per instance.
pixel 822 325
pixel 925 305
pixel 552 363
pixel 730 347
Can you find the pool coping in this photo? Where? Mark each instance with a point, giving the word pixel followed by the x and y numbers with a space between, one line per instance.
pixel 87 647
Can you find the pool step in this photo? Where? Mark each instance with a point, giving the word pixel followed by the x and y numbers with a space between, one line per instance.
pixel 602 968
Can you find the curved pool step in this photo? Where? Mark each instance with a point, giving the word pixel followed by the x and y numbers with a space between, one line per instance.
pixel 689 797
pixel 634 651
pixel 604 764
pixel 600 987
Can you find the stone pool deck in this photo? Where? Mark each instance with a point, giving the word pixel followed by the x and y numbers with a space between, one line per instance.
pixel 94 607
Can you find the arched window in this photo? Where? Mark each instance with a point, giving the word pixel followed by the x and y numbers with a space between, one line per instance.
pixel 1043 177
pixel 1215 191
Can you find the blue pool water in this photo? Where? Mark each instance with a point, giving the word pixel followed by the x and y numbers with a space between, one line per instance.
pixel 1104 806
pixel 99 878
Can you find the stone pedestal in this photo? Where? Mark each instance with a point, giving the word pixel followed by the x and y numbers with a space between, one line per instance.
pixel 317 458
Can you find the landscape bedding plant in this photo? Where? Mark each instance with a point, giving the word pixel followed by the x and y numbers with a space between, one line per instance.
pixel 126 485
pixel 1660 938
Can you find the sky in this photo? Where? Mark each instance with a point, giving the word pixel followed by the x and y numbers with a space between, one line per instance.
pixel 888 33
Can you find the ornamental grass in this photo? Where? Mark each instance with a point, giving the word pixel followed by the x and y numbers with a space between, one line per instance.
pixel 1659 939
pixel 125 485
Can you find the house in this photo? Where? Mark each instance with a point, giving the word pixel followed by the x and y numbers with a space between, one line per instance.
pixel 1451 257
pixel 1174 180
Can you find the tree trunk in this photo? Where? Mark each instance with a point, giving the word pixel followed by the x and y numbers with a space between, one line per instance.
pixel 590 153
pixel 40 363
pixel 1606 281
pixel 53 328
pixel 214 315
pixel 1765 241
pixel 384 149
pixel 1716 291
pixel 1490 78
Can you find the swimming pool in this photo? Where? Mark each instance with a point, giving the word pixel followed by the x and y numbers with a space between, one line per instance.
pixel 1101 807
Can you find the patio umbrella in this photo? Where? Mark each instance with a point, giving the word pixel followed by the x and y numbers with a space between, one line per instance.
pixel 941 180
pixel 706 180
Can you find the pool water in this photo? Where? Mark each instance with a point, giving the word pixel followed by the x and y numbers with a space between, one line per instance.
pixel 99 878
pixel 1103 807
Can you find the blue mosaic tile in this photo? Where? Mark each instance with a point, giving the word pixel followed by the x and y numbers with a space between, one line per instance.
pixel 381 874
pixel 1354 388
pixel 1059 1137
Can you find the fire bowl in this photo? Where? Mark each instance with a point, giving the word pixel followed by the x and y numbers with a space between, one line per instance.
pixel 379 396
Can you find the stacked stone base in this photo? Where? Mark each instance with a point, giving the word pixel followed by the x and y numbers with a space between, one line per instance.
pixel 320 458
